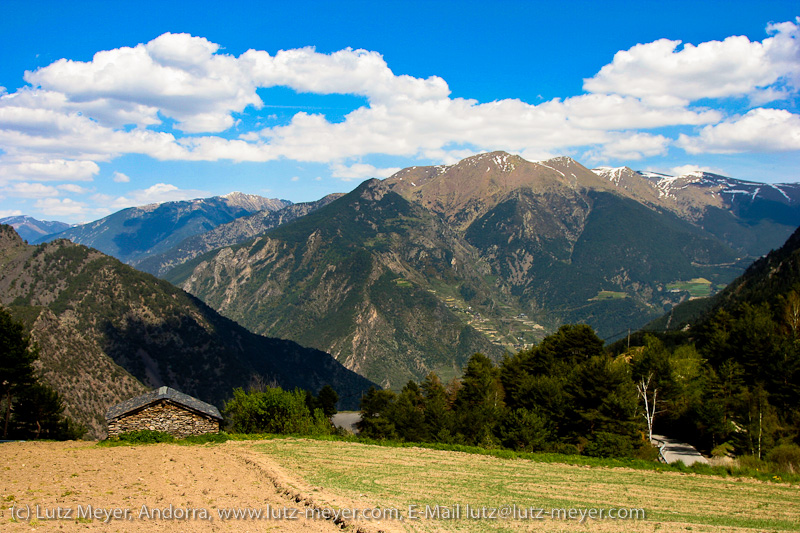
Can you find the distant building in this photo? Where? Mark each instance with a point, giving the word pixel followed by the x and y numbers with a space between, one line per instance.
pixel 164 409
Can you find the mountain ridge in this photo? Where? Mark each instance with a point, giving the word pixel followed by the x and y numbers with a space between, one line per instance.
pixel 32 229
pixel 466 190
pixel 342 277
pixel 528 246
pixel 226 234
pixel 137 232
pixel 95 317
pixel 409 274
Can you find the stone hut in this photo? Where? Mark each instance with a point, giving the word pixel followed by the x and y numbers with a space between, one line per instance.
pixel 164 409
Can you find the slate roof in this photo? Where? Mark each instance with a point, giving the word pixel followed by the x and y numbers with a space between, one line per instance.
pixel 162 393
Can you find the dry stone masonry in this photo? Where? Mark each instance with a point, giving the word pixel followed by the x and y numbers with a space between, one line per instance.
pixel 164 409
pixel 166 417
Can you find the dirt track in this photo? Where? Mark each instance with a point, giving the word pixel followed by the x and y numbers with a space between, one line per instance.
pixel 180 480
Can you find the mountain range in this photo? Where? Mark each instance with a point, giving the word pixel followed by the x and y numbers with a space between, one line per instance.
pixel 135 233
pixel 367 277
pixel 415 272
pixel 233 232
pixel 107 332
pixel 750 216
pixel 32 229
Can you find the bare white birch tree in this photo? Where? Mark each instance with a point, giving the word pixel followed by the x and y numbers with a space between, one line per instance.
pixel 650 412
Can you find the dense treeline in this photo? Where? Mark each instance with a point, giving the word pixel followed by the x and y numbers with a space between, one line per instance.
pixel 736 393
pixel 746 397
pixel 566 394
pixel 750 395
pixel 29 408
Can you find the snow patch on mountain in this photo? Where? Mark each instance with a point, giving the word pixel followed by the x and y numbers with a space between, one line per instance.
pixel 713 184
pixel 551 168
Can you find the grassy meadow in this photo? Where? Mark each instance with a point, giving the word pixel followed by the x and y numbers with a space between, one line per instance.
pixel 696 287
pixel 385 477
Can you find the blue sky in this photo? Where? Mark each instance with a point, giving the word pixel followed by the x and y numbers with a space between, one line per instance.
pixel 110 104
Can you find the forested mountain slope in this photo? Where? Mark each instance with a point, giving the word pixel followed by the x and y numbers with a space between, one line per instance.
pixel 416 272
pixel 365 278
pixel 106 331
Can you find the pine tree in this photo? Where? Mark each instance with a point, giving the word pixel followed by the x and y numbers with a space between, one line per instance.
pixel 438 417
pixel 479 404
pixel 30 409
pixel 327 400
pixel 16 364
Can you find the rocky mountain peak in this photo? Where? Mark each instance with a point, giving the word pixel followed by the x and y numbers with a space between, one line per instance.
pixel 468 189
pixel 616 174
pixel 253 202
pixel 373 190
pixel 499 160
pixel 560 160
pixel 31 229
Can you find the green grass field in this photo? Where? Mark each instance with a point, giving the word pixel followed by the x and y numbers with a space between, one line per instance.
pixel 363 475
pixel 697 287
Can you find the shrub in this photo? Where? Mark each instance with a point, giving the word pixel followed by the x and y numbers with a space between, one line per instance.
pixel 605 444
pixel 751 463
pixel 723 450
pixel 646 452
pixel 562 448
pixel 274 410
pixel 785 457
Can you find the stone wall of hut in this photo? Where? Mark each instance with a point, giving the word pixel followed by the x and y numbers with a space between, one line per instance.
pixel 167 417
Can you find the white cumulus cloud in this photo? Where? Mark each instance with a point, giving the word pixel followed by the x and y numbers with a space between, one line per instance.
pixel 119 177
pixel 665 73
pixel 73 188
pixel 64 207
pixel 29 190
pixel 73 108
pixel 76 114
pixel 360 171
pixel 177 74
pixel 48 170
pixel 760 130
pixel 633 146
